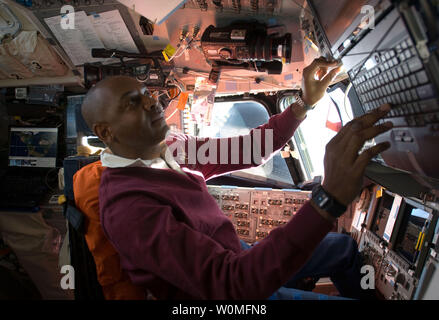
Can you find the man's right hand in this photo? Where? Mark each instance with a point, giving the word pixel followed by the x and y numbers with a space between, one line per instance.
pixel 344 166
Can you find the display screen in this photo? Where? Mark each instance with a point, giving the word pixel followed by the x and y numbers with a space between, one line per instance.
pixel 382 215
pixel 33 147
pixel 337 16
pixel 73 103
pixel 408 236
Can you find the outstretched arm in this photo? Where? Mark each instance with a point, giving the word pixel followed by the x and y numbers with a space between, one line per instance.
pixel 217 156
pixel 213 157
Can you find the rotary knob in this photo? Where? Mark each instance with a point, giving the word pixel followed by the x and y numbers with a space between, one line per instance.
pixel 225 53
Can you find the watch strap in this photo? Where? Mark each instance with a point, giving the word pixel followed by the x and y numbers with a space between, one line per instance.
pixel 327 202
pixel 299 101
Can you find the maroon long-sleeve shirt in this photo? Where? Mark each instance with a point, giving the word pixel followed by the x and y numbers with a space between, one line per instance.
pixel 174 239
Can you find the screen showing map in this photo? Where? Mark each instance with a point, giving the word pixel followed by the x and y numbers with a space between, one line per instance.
pixel 33 147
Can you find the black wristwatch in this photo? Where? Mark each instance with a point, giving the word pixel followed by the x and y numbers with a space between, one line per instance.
pixel 327 202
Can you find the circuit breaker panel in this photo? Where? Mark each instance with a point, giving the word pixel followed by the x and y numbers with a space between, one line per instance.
pixel 255 211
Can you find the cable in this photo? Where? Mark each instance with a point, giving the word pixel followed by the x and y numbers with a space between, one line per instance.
pixel 376 46
pixel 236 78
pixel 46 179
pixel 376 51
pixel 179 54
pixel 348 89
pixel 338 110
pixel 172 114
pixel 301 6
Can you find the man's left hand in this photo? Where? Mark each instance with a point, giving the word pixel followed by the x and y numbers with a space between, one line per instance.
pixel 316 79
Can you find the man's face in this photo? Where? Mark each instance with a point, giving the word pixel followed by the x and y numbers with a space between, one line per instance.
pixel 134 118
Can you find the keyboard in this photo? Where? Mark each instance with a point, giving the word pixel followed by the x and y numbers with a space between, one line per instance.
pixel 399 78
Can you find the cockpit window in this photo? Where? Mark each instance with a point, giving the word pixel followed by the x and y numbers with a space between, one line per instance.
pixel 231 119
pixel 320 126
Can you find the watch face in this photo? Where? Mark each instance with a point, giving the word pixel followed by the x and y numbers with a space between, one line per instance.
pixel 321 199
pixel 325 202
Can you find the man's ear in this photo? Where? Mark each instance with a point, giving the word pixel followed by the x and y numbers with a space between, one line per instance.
pixel 103 131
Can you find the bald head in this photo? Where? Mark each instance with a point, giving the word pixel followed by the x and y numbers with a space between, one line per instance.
pixel 124 116
pixel 95 106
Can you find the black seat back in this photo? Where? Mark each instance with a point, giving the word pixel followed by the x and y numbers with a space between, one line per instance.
pixel 87 286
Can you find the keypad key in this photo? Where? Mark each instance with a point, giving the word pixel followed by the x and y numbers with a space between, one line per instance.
pixel 425 92
pixel 392 88
pixel 428 105
pixel 411 121
pixel 416 107
pixel 400 71
pixel 402 84
pixel 399 122
pixel 414 94
pixel 414 80
pixel 390 76
pixel 398 85
pixel 407 82
pixel 422 77
pixel 406 70
pixel 415 64
pixel 388 91
pixel 408 97
pixel 380 92
pixel 419 119
pixel 430 118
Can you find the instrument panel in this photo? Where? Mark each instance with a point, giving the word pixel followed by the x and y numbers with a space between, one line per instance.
pixel 394 277
pixel 255 212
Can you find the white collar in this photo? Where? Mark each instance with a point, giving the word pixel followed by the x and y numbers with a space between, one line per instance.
pixel 110 160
